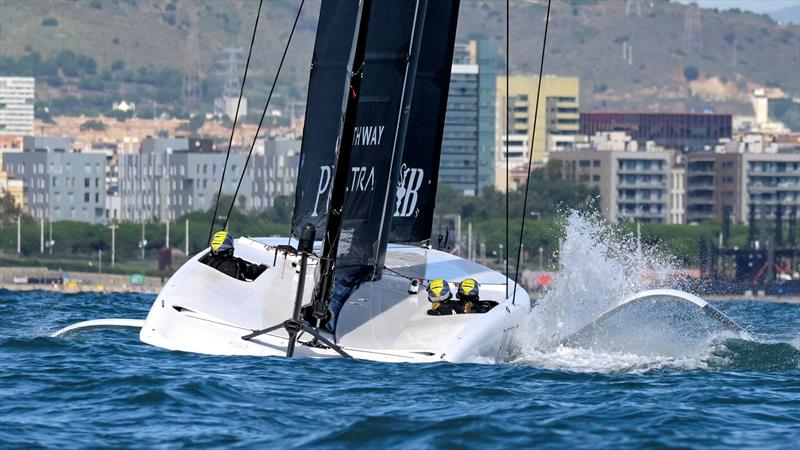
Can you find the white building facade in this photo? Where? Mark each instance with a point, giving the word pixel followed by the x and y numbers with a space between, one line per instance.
pixel 16 105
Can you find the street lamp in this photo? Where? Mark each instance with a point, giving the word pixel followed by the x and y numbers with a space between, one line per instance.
pixel 49 243
pixel 541 258
pixel 143 241
pixel 113 228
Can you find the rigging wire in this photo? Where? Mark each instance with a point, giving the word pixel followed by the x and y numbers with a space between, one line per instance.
pixel 233 128
pixel 530 155
pixel 508 65
pixel 264 112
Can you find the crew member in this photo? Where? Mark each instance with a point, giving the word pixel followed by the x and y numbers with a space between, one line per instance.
pixel 468 296
pixel 441 299
pixel 221 258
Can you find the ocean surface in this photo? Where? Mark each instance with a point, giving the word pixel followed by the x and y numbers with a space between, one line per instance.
pixel 104 388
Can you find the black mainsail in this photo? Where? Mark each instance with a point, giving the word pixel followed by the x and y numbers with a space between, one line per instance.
pixel 328 91
pixel 384 104
pixel 412 218
pixel 419 170
pixel 357 186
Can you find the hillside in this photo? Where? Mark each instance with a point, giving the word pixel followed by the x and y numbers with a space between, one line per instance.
pixel 88 53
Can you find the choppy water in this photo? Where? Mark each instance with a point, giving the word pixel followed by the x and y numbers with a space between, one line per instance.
pixel 105 388
pixel 655 375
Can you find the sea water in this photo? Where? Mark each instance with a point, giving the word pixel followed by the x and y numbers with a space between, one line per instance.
pixel 660 375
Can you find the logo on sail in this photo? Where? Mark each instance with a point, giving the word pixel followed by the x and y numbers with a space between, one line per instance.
pixel 362 179
pixel 408 191
pixel 368 135
pixel 323 189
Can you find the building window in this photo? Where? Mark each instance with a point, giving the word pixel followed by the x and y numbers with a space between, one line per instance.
pixel 596 163
pixel 86 197
pixel 86 182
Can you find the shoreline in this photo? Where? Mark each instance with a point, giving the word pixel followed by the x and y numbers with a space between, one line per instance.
pixel 789 299
pixel 17 279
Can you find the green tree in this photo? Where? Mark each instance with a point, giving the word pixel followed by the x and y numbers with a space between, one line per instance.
pixel 9 210
pixel 94 125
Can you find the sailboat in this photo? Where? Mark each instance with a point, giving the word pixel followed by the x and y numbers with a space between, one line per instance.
pixel 362 217
pixel 367 177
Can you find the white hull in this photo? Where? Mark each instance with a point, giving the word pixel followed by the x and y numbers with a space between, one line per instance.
pixel 202 310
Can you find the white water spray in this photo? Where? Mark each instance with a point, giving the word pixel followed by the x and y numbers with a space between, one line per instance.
pixel 599 269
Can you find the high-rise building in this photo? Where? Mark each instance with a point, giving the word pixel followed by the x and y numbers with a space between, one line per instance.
pixel 468 145
pixel 60 183
pixel 16 105
pixel 556 127
pixel 557 120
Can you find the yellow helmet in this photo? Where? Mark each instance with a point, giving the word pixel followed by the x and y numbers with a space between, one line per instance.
pixel 468 289
pixel 439 291
pixel 221 243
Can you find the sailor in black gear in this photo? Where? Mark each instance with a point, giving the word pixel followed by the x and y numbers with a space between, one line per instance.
pixel 468 296
pixel 441 299
pixel 221 258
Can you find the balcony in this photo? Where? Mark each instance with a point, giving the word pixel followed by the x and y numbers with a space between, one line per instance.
pixel 642 201
pixel 640 171
pixel 699 170
pixel 773 187
pixel 642 184
pixel 699 201
pixel 566 104
pixel 700 186
pixel 699 215
pixel 566 127
pixel 567 115
pixel 644 214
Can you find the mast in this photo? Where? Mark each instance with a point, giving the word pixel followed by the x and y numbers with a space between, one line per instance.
pixel 330 242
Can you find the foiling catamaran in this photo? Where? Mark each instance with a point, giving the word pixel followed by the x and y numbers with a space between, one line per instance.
pixel 368 174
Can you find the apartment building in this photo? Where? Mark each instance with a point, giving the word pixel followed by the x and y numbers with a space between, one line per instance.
pixel 634 186
pixel 274 173
pixel 60 183
pixel 171 177
pixel 741 181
